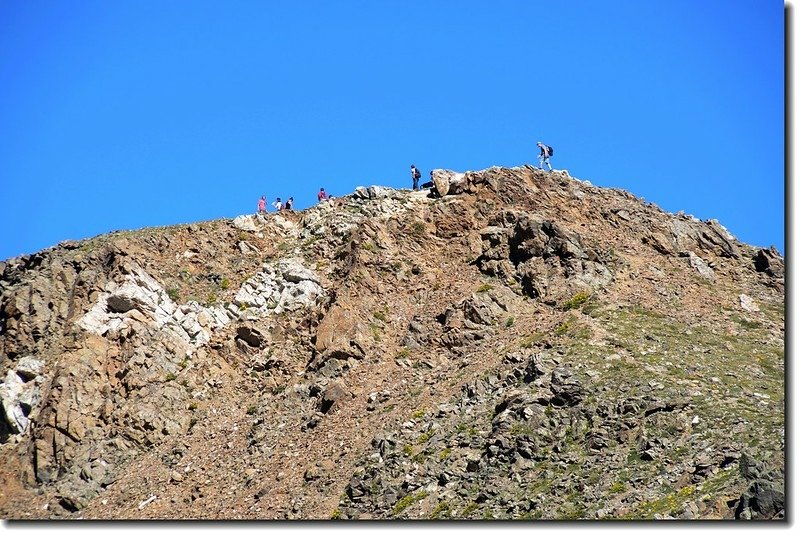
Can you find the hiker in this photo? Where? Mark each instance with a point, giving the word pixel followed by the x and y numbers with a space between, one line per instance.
pixel 433 193
pixel 262 205
pixel 415 174
pixel 322 196
pixel 545 153
pixel 277 204
pixel 429 183
pixel 289 204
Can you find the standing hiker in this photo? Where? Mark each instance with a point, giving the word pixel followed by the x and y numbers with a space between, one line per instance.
pixel 277 204
pixel 322 196
pixel 289 204
pixel 415 174
pixel 545 153
pixel 262 204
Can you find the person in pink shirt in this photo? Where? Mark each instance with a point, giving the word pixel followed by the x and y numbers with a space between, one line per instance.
pixel 321 196
pixel 262 204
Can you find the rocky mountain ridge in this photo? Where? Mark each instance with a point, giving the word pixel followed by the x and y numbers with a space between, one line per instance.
pixel 519 344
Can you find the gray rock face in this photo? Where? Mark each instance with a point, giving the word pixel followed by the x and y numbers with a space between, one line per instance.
pixel 763 500
pixel 538 252
pixel 567 390
pixel 137 299
pixel 375 192
pixel 690 234
pixel 700 266
pixel 769 261
pixel 285 285
pixel 19 395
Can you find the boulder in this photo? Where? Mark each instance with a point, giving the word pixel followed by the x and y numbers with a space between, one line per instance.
pixel 769 261
pixel 335 394
pixel 340 335
pixel 700 266
pixel 747 303
pixel 763 500
pixel 246 223
pixel 446 181
pixel 567 390
pixel 379 192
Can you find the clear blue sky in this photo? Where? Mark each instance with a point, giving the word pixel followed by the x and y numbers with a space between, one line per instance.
pixel 135 113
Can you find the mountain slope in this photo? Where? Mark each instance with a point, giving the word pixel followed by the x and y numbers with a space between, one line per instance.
pixel 525 346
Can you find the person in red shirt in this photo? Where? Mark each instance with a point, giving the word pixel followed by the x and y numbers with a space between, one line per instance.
pixel 262 204
pixel 321 196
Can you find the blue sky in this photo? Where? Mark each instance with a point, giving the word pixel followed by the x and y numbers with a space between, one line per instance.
pixel 128 114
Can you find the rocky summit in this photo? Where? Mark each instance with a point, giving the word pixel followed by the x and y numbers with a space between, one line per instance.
pixel 513 344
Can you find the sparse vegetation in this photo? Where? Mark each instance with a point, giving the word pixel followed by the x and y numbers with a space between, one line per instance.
pixel 408 500
pixel 575 301
pixel 531 340
pixel 484 288
pixel 442 510
pixel 562 328
pixel 616 487
pixel 376 332
pixel 424 437
pixel 470 508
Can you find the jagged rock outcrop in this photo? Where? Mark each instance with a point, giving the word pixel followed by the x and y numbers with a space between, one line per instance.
pixel 19 395
pixel 285 286
pixel 139 300
pixel 534 251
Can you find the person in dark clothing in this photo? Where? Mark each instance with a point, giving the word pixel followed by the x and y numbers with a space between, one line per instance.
pixel 429 183
pixel 544 154
pixel 289 204
pixel 415 174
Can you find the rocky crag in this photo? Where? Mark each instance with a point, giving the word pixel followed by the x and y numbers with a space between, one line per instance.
pixel 521 345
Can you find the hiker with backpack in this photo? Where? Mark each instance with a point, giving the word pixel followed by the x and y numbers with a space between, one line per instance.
pixel 545 152
pixel 322 196
pixel 289 204
pixel 415 174
pixel 277 204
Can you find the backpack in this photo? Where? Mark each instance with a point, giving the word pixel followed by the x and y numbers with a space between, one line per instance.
pixel 549 150
pixel 417 174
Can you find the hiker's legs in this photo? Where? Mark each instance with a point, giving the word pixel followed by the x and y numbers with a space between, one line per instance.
pixel 547 161
pixel 416 183
pixel 541 160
